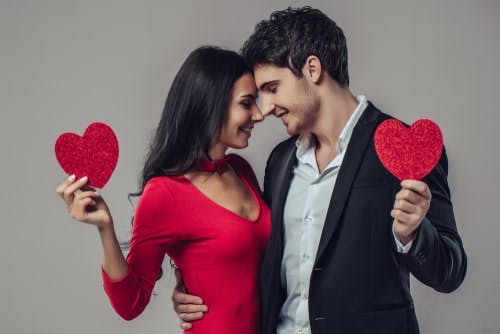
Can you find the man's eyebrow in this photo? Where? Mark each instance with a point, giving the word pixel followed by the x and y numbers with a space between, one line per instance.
pixel 267 84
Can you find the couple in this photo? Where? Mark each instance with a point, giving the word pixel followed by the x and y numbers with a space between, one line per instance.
pixel 345 233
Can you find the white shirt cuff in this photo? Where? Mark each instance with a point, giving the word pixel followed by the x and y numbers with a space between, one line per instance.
pixel 399 245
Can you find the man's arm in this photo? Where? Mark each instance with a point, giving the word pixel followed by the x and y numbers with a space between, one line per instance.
pixel 188 307
pixel 410 207
pixel 437 257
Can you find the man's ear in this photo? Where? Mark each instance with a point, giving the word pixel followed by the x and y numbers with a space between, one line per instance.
pixel 312 69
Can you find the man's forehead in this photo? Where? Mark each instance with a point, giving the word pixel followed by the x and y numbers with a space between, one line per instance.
pixel 266 69
pixel 265 73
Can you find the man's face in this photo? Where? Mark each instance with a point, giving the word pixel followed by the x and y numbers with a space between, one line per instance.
pixel 285 96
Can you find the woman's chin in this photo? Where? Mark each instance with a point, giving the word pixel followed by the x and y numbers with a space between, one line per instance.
pixel 239 145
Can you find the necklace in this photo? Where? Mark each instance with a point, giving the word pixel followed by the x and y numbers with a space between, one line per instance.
pixel 218 166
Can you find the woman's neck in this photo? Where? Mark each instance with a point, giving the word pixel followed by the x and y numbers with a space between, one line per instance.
pixel 217 152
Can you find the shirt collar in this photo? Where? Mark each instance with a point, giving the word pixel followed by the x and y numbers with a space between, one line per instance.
pixel 346 133
pixel 305 143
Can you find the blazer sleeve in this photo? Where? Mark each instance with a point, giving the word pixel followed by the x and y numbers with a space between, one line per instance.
pixel 437 257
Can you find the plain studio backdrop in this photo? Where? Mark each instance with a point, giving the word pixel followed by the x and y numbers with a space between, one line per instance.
pixel 67 63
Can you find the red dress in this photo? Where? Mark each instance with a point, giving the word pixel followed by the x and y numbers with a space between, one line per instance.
pixel 218 252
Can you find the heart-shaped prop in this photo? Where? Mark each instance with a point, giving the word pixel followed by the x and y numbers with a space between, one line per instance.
pixel 94 155
pixel 409 153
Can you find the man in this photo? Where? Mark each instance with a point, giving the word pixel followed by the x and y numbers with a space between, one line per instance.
pixel 346 233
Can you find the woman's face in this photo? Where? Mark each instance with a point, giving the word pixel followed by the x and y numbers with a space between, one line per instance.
pixel 242 114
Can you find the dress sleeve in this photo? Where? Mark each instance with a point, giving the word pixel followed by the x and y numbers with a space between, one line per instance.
pixel 153 231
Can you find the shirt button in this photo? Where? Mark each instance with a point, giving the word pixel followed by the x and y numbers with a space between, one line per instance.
pixel 300 331
pixel 308 219
pixel 305 257
pixel 305 295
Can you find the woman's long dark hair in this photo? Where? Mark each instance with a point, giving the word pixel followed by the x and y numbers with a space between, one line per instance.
pixel 194 112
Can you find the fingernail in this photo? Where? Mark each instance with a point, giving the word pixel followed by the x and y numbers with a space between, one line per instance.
pixel 72 178
pixel 83 179
pixel 97 194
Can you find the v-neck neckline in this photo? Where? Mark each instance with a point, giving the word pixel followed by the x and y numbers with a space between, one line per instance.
pixel 214 203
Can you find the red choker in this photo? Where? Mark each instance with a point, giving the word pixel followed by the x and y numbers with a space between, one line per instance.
pixel 218 166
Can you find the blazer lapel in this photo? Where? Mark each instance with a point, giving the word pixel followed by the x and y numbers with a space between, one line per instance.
pixel 360 138
pixel 280 190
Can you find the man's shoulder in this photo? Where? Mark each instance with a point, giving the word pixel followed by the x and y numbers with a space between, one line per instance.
pixel 373 111
pixel 284 146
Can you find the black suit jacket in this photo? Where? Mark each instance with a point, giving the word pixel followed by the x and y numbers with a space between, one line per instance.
pixel 359 283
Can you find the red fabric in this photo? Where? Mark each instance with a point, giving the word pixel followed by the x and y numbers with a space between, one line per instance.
pixel 218 166
pixel 218 252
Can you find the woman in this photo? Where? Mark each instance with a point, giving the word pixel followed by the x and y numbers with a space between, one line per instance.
pixel 202 208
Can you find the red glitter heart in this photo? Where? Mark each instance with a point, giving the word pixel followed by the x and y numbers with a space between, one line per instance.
pixel 94 155
pixel 409 153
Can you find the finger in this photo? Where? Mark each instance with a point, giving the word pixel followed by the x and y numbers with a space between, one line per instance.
pixel 65 184
pixel 420 204
pixel 405 206
pixel 402 231
pixel 407 195
pixel 417 186
pixel 79 210
pixel 184 298
pixel 401 216
pixel 191 316
pixel 85 194
pixel 68 193
pixel 190 308
pixel 410 196
pixel 86 202
pixel 86 187
pixel 186 325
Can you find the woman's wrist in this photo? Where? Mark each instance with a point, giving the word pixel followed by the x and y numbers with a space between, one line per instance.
pixel 106 227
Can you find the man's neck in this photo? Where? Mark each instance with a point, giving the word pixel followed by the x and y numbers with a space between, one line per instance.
pixel 336 108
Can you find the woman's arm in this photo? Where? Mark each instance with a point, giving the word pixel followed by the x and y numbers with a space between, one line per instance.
pixel 127 282
pixel 85 205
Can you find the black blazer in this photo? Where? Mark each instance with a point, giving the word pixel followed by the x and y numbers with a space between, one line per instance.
pixel 359 283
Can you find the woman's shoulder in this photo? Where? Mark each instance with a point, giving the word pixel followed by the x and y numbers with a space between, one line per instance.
pixel 158 183
pixel 163 184
pixel 164 180
pixel 160 194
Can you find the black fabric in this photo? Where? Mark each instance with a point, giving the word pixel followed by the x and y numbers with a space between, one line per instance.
pixel 359 283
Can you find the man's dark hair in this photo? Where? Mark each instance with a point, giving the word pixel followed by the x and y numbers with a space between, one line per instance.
pixel 292 35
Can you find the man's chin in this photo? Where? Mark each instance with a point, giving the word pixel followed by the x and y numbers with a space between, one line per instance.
pixel 292 131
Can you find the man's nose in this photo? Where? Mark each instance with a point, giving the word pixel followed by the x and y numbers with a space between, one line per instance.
pixel 257 114
pixel 267 107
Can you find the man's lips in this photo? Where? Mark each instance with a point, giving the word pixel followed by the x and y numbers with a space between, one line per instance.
pixel 283 114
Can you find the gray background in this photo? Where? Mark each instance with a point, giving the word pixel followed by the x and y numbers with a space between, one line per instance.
pixel 65 64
